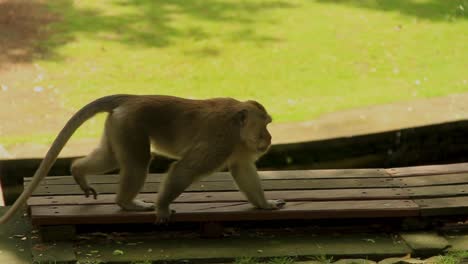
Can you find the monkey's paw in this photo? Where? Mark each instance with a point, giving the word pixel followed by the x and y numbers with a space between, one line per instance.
pixel 90 190
pixel 275 204
pixel 137 205
pixel 164 215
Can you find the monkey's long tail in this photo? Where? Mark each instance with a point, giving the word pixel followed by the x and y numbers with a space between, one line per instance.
pixel 104 104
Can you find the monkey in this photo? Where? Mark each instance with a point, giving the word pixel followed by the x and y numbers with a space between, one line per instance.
pixel 203 136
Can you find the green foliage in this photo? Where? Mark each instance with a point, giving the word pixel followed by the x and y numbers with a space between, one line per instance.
pixel 142 262
pixel 281 260
pixel 324 259
pixel 278 260
pixel 246 260
pixel 455 257
pixel 90 261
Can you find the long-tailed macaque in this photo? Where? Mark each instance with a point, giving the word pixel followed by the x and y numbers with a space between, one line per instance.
pixel 203 135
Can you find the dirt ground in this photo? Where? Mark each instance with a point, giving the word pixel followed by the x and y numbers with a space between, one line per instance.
pixel 23 22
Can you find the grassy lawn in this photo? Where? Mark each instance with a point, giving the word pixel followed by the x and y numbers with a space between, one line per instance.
pixel 300 58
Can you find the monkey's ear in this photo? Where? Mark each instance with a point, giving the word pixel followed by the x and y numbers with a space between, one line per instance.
pixel 241 117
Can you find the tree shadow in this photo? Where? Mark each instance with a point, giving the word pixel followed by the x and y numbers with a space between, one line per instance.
pixel 435 10
pixel 154 23
pixel 27 33
pixel 21 26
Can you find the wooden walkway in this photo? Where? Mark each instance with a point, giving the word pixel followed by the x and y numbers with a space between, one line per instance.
pixel 316 194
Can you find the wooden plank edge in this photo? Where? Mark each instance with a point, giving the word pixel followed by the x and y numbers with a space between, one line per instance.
pixel 233 196
pixel 266 175
pixel 228 212
pixel 428 170
pixel 443 206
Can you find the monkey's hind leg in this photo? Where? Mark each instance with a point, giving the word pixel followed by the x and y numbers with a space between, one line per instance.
pixel 99 161
pixel 134 156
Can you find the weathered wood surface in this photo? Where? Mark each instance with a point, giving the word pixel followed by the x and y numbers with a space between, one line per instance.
pixel 231 211
pixel 234 196
pixel 317 194
pixel 225 176
pixel 429 170
pixel 223 186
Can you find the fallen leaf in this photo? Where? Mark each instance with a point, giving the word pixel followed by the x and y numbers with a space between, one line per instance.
pixel 117 252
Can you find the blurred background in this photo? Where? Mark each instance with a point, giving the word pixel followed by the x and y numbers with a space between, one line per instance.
pixel 323 68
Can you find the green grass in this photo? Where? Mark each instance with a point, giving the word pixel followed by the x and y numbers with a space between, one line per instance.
pixel 278 260
pixel 246 260
pixel 282 260
pixel 300 58
pixel 455 257
pixel 142 262
pixel 324 259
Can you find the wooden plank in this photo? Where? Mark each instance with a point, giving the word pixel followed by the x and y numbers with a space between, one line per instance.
pixel 429 170
pixel 225 176
pixel 436 191
pixel 235 196
pixel 311 184
pixel 443 206
pixel 433 180
pixel 110 213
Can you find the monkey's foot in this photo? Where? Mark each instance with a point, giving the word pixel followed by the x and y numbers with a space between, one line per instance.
pixel 137 205
pixel 164 215
pixel 90 190
pixel 275 204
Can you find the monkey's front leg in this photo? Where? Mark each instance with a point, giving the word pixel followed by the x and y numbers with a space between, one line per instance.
pixel 177 180
pixel 247 179
pixel 203 159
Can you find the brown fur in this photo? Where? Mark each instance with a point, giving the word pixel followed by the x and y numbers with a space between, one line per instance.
pixel 204 135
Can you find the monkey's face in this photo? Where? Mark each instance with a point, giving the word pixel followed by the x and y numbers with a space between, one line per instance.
pixel 264 140
pixel 254 131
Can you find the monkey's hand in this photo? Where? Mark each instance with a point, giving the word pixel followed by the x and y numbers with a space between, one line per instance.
pixel 164 215
pixel 275 204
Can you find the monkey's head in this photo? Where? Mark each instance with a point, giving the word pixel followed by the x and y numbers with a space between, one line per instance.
pixel 254 133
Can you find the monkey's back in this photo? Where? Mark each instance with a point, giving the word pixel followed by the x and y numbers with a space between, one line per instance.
pixel 173 123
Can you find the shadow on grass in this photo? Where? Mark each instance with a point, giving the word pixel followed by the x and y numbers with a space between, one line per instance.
pixel 435 10
pixel 26 33
pixel 160 16
pixel 22 24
